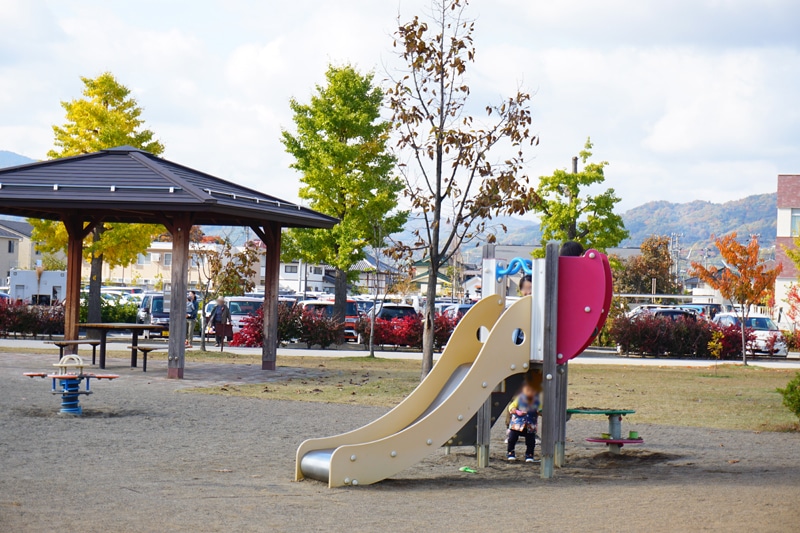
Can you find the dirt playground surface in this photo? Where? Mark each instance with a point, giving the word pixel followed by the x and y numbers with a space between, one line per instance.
pixel 147 457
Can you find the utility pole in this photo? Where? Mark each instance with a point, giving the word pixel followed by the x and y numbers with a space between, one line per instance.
pixel 675 253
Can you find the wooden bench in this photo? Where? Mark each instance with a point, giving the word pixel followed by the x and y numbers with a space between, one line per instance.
pixel 146 349
pixel 65 343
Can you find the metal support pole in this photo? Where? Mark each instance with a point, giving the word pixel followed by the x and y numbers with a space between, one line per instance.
pixel 489 286
pixel 484 433
pixel 549 367
pixel 615 430
pixel 562 378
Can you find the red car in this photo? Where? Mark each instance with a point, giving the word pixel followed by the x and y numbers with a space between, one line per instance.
pixel 351 314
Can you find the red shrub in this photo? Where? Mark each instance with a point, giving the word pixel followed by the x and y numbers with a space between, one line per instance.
pixel 406 331
pixel 252 332
pixel 655 335
pixel 317 329
pixel 20 318
pixel 443 327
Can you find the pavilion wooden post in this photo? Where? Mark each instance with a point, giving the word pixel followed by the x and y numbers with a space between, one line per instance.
pixel 270 235
pixel 76 233
pixel 179 227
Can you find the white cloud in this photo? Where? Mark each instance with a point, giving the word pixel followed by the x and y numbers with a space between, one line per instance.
pixel 686 99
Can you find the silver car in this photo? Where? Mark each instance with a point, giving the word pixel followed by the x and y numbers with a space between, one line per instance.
pixel 764 330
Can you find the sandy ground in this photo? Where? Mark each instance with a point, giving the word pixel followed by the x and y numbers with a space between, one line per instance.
pixel 147 457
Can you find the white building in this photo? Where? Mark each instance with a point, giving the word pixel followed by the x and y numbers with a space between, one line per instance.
pixel 301 277
pixel 153 268
pixel 788 229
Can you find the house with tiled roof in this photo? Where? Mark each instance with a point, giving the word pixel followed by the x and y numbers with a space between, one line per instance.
pixel 17 250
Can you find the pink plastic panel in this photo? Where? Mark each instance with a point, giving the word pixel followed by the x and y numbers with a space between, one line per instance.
pixel 584 296
pixel 606 301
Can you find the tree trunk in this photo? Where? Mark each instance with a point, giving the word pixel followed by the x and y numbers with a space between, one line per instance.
pixel 374 309
pixel 427 321
pixel 94 299
pixel 744 345
pixel 340 298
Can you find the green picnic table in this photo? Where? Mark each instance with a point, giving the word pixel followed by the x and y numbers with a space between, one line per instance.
pixel 615 442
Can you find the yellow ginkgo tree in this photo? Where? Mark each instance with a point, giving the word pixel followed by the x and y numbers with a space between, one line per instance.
pixel 106 116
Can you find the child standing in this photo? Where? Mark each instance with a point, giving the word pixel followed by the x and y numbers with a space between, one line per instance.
pixel 525 289
pixel 524 415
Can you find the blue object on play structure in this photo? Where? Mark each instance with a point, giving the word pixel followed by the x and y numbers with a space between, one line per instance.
pixel 514 266
pixel 70 396
pixel 67 383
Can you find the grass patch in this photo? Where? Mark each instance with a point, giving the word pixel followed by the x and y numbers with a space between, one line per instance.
pixel 735 397
pixel 353 380
pixel 730 397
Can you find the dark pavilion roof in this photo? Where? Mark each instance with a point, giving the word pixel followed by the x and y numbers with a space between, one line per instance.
pixel 129 185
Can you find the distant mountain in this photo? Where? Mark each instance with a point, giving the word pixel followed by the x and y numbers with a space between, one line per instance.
pixel 699 221
pixel 10 159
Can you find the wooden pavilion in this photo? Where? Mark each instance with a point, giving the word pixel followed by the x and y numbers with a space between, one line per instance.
pixel 128 185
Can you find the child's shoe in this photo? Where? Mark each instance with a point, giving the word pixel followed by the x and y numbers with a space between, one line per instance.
pixel 511 457
pixel 529 459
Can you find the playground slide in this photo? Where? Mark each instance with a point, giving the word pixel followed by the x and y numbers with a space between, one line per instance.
pixel 462 379
pixel 572 340
pixel 451 394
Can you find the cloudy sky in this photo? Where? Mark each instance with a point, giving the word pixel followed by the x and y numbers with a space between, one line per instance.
pixel 687 99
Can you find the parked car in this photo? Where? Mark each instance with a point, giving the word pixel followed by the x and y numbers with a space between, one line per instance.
pixel 388 311
pixel 439 307
pixel 151 311
pixel 644 308
pixel 764 329
pixel 708 311
pixel 351 314
pixel 122 290
pixel 108 298
pixel 457 311
pixel 673 313
pixel 240 307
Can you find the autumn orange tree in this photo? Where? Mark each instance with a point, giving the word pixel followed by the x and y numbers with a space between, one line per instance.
pixel 745 281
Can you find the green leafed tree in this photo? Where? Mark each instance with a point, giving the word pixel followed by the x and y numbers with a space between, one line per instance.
pixel 106 116
pixel 569 213
pixel 340 148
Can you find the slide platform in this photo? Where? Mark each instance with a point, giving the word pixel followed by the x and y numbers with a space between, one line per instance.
pixel 457 386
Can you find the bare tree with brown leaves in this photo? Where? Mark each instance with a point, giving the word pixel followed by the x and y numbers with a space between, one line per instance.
pixel 455 181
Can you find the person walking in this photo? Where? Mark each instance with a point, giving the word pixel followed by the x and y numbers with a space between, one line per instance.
pixel 191 317
pixel 220 318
